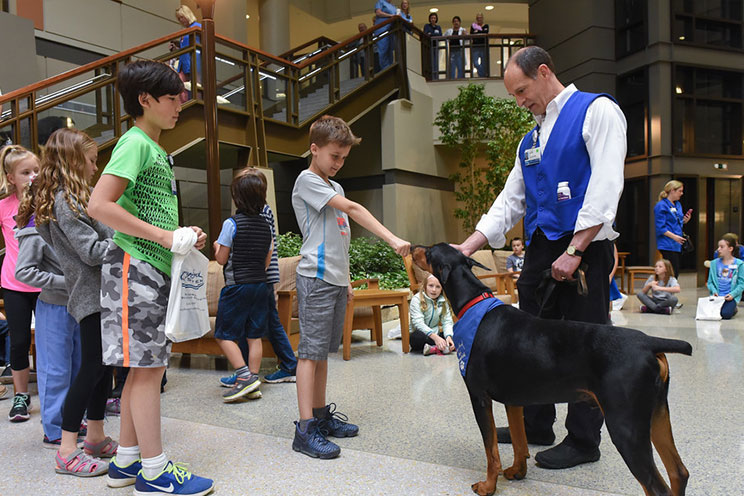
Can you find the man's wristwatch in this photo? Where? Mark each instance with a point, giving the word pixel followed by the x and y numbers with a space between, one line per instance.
pixel 574 252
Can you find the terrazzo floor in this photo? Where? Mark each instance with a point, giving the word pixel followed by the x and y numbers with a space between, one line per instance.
pixel 418 435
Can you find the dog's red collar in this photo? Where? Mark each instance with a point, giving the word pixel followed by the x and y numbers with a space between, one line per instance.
pixel 477 299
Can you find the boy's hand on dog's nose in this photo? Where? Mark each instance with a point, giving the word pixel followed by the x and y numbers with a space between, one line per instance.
pixel 564 267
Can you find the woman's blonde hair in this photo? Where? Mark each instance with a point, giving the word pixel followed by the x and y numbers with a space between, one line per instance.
pixel 667 268
pixel 62 167
pixel 10 156
pixel 668 187
pixel 185 11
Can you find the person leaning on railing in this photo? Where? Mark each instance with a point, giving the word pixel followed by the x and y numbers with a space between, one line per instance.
pixel 383 11
pixel 434 29
pixel 479 50
pixel 456 60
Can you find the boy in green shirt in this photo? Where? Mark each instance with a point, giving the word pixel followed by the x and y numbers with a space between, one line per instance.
pixel 136 196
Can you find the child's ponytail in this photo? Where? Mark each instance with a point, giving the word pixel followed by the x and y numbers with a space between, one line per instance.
pixel 9 158
pixel 26 207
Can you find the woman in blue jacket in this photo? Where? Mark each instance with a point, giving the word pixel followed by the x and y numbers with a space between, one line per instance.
pixel 669 220
pixel 726 278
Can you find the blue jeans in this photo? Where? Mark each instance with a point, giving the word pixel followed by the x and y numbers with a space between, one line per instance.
pixel 277 337
pixel 57 362
pixel 728 309
pixel 479 57
pixel 457 64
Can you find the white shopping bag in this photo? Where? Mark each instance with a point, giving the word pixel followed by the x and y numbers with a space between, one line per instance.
pixel 188 315
pixel 709 308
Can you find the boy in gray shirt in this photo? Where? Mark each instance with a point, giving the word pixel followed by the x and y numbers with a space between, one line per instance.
pixel 323 284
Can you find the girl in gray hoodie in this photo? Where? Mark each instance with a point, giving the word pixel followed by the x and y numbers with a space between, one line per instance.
pixel 61 200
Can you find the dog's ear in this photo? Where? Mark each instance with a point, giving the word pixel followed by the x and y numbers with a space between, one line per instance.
pixel 474 263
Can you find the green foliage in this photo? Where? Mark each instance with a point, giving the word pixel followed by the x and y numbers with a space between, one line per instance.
pixel 368 258
pixel 372 257
pixel 288 245
pixel 476 125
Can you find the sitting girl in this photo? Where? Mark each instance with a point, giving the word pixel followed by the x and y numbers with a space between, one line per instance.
pixel 726 277
pixel 662 285
pixel 428 309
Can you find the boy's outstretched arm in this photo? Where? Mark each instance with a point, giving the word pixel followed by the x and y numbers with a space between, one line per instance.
pixel 364 218
pixel 103 207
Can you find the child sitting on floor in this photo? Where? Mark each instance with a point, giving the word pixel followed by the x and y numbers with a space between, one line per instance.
pixel 726 277
pixel 662 285
pixel 244 247
pixel 427 310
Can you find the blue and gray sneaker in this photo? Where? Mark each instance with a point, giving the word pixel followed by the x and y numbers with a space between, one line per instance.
pixel 335 423
pixel 174 479
pixel 280 376
pixel 122 476
pixel 228 381
pixel 313 442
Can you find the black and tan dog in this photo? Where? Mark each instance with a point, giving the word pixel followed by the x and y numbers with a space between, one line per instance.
pixel 517 359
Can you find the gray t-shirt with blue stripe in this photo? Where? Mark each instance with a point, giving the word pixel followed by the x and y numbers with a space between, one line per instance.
pixel 325 230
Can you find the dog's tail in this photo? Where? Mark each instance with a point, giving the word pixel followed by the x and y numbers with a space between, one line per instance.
pixel 663 345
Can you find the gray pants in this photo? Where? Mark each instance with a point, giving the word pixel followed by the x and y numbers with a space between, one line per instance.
pixel 656 305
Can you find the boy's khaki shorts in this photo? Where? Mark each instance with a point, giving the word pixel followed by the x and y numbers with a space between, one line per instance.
pixel 134 298
pixel 321 309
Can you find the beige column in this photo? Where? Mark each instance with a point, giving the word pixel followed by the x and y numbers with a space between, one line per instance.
pixel 274 25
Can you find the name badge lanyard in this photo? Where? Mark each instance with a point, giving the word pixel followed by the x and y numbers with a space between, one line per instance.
pixel 532 155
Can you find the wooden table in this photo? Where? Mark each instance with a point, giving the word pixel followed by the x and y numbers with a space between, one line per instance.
pixel 637 270
pixel 375 298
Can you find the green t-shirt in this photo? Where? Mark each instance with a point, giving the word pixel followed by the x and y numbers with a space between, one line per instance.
pixel 148 196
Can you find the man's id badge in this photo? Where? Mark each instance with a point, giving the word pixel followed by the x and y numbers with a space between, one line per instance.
pixel 174 188
pixel 532 156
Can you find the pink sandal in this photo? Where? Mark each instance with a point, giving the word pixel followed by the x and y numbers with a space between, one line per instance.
pixel 105 449
pixel 80 465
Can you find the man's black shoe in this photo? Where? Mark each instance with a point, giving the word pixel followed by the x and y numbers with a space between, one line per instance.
pixel 538 438
pixel 565 455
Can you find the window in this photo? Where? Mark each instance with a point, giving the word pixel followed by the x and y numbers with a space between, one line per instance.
pixel 708 22
pixel 630 27
pixel 632 95
pixel 708 111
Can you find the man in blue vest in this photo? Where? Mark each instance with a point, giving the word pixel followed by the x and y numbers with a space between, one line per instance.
pixel 566 182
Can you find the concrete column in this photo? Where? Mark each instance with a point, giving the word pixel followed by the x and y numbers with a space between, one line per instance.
pixel 274 26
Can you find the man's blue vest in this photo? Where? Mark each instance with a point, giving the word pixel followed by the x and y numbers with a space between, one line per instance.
pixel 564 158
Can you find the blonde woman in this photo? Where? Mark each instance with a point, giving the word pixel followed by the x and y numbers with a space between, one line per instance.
pixel 669 219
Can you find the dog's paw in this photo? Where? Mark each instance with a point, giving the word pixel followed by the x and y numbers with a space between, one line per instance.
pixel 482 488
pixel 515 473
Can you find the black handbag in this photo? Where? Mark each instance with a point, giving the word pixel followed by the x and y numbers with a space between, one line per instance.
pixel 687 246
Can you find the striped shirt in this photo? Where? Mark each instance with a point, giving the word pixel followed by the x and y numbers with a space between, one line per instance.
pixel 272 273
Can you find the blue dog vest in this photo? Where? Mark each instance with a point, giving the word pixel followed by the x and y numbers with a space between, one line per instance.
pixel 465 329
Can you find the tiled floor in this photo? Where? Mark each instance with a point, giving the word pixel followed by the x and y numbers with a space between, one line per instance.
pixel 418 434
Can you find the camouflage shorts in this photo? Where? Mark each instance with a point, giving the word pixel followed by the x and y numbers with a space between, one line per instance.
pixel 133 335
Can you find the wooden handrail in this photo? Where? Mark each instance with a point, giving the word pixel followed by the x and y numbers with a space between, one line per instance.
pixel 305 45
pixel 348 42
pixel 242 46
pixel 93 65
pixel 483 35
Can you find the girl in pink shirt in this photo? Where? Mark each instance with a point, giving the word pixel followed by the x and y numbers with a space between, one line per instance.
pixel 19 168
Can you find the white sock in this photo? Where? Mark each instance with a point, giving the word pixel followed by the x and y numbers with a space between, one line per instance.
pixel 125 456
pixel 151 467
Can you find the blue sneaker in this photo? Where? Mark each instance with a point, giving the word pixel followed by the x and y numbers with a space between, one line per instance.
pixel 174 479
pixel 122 476
pixel 313 442
pixel 280 376
pixel 228 381
pixel 335 423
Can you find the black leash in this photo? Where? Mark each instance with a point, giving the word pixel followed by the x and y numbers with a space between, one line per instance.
pixel 545 289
